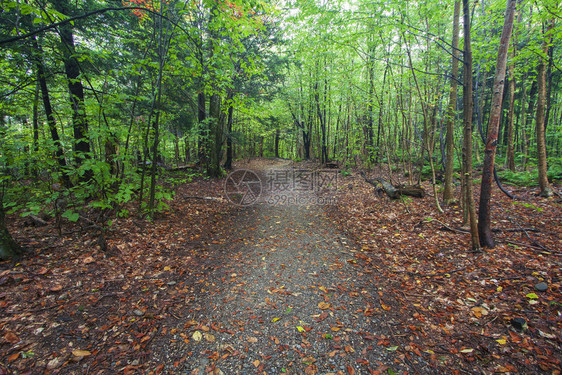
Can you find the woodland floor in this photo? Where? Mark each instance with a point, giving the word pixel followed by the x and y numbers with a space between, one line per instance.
pixel 365 286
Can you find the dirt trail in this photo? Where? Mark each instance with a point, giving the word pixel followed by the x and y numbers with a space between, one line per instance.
pixel 279 291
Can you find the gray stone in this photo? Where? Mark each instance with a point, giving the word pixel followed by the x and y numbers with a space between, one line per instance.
pixel 541 287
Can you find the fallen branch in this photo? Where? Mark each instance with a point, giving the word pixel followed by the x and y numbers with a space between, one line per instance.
pixel 205 198
pixel 394 192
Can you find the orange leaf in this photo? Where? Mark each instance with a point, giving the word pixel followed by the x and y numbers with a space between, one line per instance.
pixel 323 305
pixel 11 337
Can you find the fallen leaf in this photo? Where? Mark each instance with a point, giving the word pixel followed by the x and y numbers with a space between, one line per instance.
pixel 197 336
pixel 11 337
pixel 323 305
pixel 81 353
pixel 209 337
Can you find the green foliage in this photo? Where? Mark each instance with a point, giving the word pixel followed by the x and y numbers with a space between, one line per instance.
pixel 519 178
pixel 555 169
pixel 528 205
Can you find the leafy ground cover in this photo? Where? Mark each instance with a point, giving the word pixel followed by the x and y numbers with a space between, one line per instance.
pixel 462 309
pixel 368 286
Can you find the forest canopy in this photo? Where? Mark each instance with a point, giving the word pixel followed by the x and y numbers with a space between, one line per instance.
pixel 100 99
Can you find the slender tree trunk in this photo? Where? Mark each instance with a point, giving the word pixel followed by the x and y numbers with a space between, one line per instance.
pixel 510 154
pixel 546 191
pixel 201 117
pixel 35 121
pixel 215 123
pixel 276 142
pixel 448 196
pixel 76 91
pixel 467 144
pixel 51 122
pixel 229 150
pixel 484 225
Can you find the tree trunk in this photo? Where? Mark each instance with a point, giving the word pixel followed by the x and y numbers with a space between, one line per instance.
pixel 75 90
pixel 467 144
pixel 35 121
pixel 9 249
pixel 215 124
pixel 201 117
pixel 510 154
pixel 51 122
pixel 546 191
pixel 484 225
pixel 229 150
pixel 276 142
pixel 448 196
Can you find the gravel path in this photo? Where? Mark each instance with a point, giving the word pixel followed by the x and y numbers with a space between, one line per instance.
pixel 280 290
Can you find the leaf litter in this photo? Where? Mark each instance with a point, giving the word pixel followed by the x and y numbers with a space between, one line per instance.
pixel 368 286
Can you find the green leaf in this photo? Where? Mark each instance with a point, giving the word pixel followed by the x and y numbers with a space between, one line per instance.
pixel 71 215
pixel 532 296
pixel 392 348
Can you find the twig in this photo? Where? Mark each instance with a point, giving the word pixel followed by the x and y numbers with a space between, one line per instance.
pixel 542 251
pixel 529 237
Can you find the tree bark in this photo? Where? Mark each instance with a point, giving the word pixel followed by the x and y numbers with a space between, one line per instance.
pixel 484 225
pixel 75 90
pixel 467 143
pixel 9 249
pixel 546 191
pixel 276 142
pixel 448 196
pixel 215 124
pixel 51 122
pixel 229 150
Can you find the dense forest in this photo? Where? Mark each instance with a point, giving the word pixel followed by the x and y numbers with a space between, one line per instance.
pixel 101 99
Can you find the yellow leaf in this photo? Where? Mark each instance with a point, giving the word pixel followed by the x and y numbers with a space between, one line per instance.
pixel 499 289
pixel 81 353
pixel 209 337
pixel 501 341
pixel 197 336
pixel 323 305
pixel 275 320
pixel 300 329
pixel 167 268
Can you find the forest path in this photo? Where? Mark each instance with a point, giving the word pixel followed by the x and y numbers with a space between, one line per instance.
pixel 279 291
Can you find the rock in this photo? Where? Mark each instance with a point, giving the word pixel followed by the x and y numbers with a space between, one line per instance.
pixel 541 287
pixel 519 323
pixel 172 283
pixel 137 312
